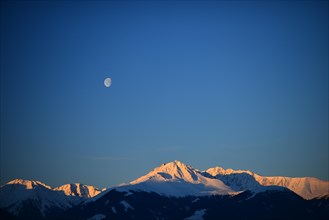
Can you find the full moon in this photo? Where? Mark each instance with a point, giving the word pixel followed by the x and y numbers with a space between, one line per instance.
pixel 108 82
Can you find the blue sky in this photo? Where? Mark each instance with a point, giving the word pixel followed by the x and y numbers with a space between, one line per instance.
pixel 240 84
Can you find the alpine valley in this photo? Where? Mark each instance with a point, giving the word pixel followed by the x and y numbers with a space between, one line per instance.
pixel 172 191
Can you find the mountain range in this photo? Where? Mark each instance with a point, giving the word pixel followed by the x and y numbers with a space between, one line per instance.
pixel 172 191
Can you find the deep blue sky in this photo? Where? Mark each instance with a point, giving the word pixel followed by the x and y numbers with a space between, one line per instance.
pixel 240 84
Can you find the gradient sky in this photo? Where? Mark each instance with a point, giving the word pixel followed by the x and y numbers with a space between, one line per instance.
pixel 240 84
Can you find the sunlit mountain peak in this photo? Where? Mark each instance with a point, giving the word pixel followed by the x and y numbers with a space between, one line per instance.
pixel 28 184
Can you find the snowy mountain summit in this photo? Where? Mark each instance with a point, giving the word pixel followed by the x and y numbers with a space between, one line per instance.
pixel 26 197
pixel 175 170
pixel 38 200
pixel 78 189
pixel 177 179
pixel 27 184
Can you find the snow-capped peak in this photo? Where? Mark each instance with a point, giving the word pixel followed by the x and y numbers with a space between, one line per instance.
pixel 79 190
pixel 177 179
pixel 38 198
pixel 28 184
pixel 28 194
pixel 175 170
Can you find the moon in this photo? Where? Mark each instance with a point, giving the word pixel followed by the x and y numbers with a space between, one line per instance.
pixel 107 82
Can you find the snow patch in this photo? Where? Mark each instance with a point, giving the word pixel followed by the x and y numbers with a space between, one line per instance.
pixel 198 215
pixel 97 217
pixel 128 193
pixel 126 205
pixel 195 200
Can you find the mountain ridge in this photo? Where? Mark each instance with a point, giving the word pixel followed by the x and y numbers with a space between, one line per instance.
pixel 223 181
pixel 29 198
pixel 307 187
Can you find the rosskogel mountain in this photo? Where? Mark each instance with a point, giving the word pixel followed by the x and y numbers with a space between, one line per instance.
pixel 177 191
